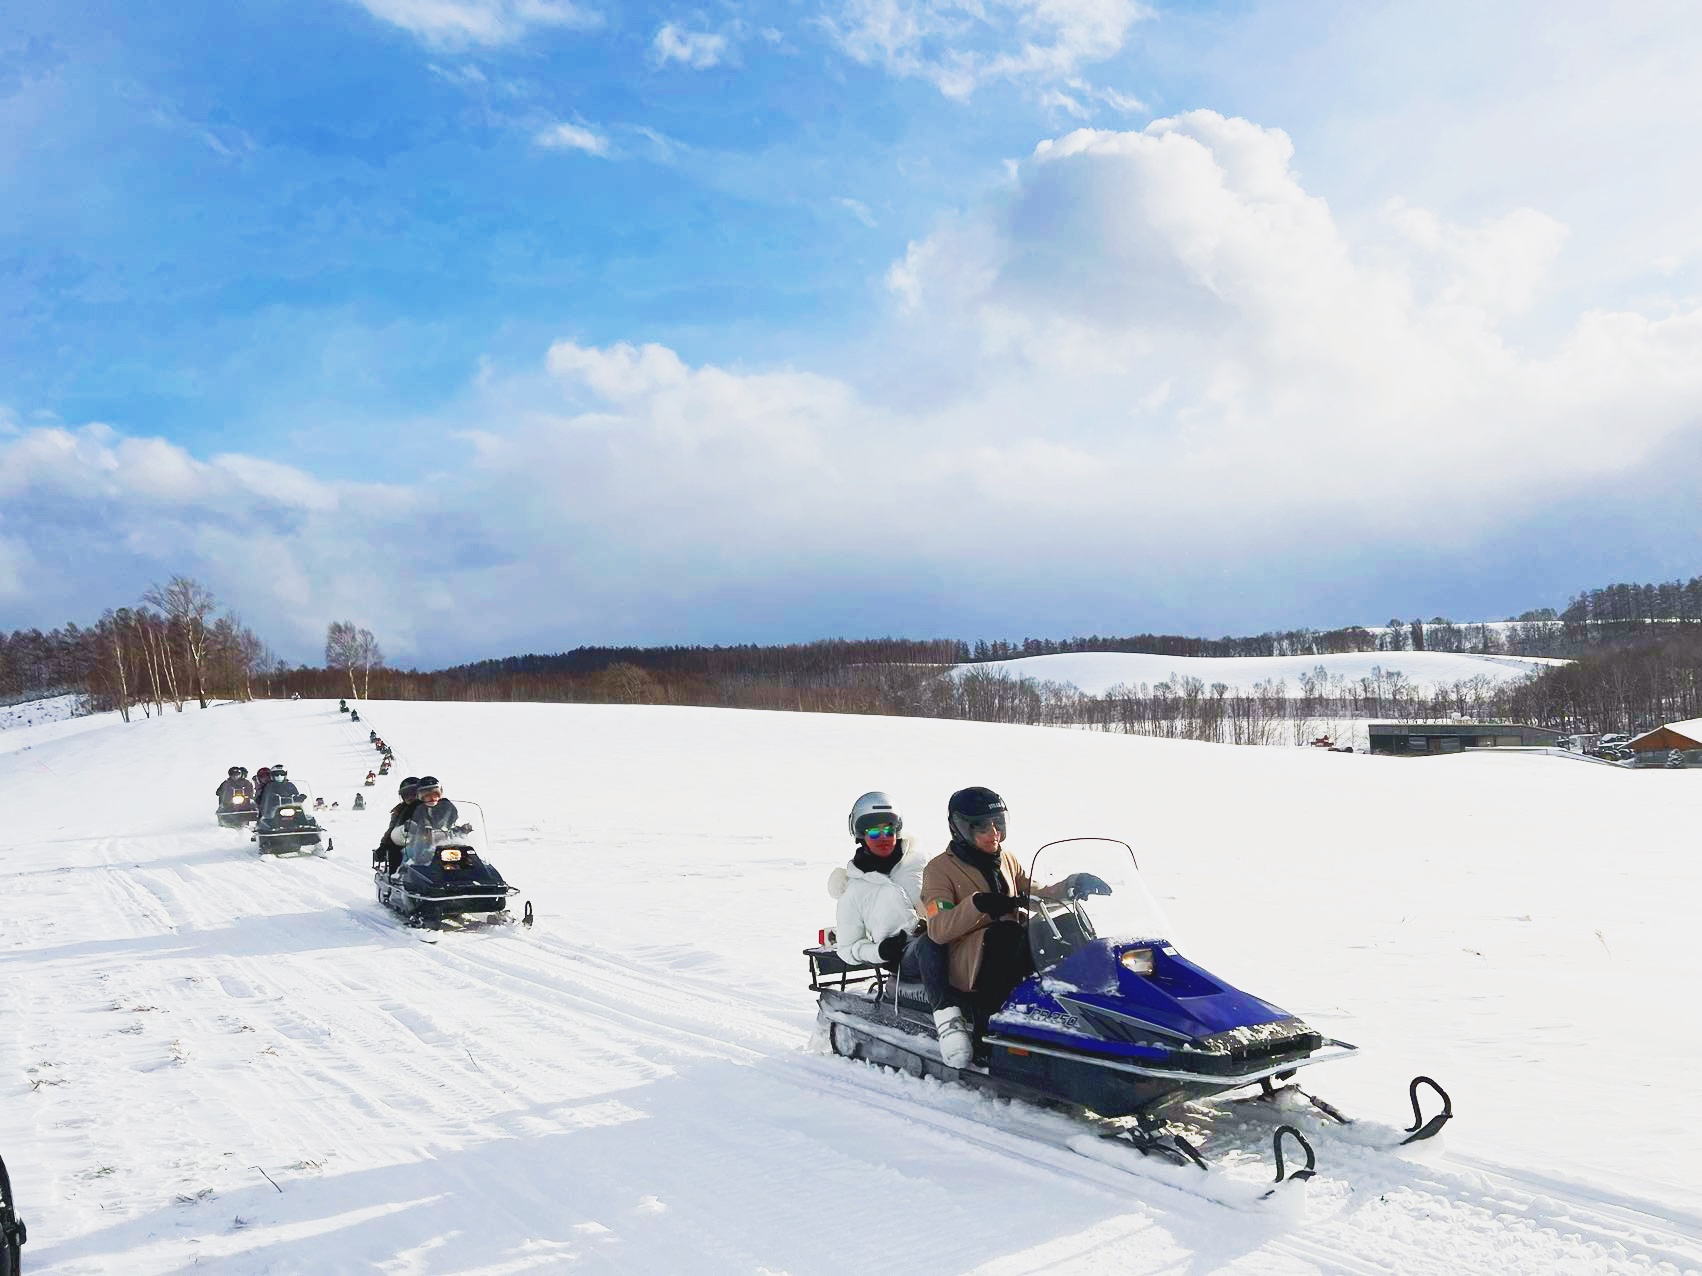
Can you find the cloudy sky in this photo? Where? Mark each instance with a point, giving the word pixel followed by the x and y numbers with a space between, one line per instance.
pixel 501 325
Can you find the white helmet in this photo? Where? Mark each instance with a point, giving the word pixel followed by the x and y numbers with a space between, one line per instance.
pixel 872 808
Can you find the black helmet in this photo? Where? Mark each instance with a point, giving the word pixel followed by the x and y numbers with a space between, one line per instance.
pixel 429 782
pixel 234 772
pixel 972 809
pixel 408 787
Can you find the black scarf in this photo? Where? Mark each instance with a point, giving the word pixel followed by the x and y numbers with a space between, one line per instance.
pixel 869 862
pixel 987 863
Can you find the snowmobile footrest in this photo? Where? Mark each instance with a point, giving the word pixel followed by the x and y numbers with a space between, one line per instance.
pixel 1420 1128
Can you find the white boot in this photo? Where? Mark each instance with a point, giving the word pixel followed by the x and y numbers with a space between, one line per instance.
pixel 957 1046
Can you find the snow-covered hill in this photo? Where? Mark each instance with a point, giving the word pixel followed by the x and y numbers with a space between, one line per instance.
pixel 209 1060
pixel 1096 672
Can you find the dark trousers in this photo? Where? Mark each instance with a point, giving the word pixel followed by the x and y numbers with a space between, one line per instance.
pixel 1005 962
pixel 926 961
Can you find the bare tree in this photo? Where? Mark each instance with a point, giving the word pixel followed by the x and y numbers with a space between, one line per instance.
pixel 369 655
pixel 342 649
pixel 187 603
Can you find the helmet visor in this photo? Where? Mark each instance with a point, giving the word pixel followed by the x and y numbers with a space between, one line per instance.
pixel 976 825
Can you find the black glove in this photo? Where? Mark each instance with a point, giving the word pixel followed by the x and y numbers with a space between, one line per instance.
pixel 1081 885
pixel 994 905
pixel 892 950
pixel 464 829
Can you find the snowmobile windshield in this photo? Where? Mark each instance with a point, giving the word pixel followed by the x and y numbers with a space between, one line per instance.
pixel 281 803
pixel 459 828
pixel 1085 889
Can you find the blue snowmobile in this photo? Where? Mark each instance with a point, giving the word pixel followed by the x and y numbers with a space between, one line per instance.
pixel 1114 1023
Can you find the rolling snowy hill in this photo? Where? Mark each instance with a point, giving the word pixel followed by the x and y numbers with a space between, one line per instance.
pixel 211 1060
pixel 1096 672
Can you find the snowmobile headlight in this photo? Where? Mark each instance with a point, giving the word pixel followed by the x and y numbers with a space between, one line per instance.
pixel 451 855
pixel 288 812
pixel 239 799
pixel 1137 961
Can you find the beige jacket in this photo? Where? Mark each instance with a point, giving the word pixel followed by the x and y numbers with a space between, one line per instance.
pixel 948 887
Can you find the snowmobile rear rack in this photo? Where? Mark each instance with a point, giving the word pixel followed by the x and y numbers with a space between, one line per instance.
pixel 829 970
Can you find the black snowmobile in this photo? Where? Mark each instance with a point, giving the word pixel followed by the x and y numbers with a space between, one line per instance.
pixel 286 825
pixel 1114 1024
pixel 446 876
pixel 13 1233
pixel 238 812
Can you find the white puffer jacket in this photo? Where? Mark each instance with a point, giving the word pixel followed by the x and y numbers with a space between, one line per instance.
pixel 873 906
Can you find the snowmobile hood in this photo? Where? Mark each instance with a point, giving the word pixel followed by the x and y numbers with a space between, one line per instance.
pixel 1095 994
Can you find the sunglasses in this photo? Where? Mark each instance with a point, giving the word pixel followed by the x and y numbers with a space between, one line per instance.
pixel 881 830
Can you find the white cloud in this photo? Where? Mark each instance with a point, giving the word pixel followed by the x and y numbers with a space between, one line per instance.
pixel 458 23
pixel 697 49
pixel 572 137
pixel 93 514
pixel 465 76
pixel 1153 360
pixel 960 45
pixel 857 208
pixel 1189 257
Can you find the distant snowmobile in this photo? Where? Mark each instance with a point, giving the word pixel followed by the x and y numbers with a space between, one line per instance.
pixel 13 1233
pixel 1115 1023
pixel 445 876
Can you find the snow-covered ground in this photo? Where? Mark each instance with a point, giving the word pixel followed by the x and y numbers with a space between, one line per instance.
pixel 31 713
pixel 213 1061
pixel 1096 672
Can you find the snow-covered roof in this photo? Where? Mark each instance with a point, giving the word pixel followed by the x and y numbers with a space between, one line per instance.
pixel 1690 729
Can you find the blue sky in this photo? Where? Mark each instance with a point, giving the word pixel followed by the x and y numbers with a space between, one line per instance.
pixel 503 324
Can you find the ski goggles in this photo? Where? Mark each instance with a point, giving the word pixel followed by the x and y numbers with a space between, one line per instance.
pixel 426 795
pixel 880 830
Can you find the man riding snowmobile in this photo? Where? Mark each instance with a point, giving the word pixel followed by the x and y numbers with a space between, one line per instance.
pixel 434 813
pixel 236 798
pixel 387 855
pixel 972 894
pixel 279 789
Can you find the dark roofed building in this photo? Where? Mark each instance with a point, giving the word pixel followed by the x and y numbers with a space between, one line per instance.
pixel 1420 739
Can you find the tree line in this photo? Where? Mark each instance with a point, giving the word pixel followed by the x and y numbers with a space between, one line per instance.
pixel 1636 652
pixel 167 648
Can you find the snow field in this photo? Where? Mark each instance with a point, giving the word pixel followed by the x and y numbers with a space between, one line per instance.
pixel 628 1087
